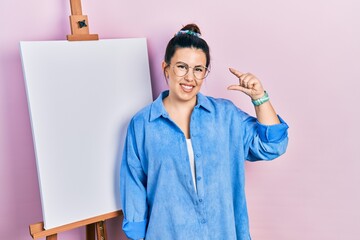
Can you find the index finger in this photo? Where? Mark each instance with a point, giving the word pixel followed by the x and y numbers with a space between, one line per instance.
pixel 236 72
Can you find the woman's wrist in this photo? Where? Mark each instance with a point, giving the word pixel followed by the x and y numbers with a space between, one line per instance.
pixel 261 100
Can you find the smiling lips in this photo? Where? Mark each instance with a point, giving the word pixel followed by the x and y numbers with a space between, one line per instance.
pixel 186 87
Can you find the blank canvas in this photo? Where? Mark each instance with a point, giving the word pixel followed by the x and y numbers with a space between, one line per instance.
pixel 81 96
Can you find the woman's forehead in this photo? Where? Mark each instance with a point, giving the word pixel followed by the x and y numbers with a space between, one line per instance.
pixel 190 56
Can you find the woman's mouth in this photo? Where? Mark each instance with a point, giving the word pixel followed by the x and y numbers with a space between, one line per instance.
pixel 187 88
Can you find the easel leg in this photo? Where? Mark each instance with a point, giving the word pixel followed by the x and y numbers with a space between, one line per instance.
pixel 90 231
pixel 52 237
pixel 101 230
pixel 96 230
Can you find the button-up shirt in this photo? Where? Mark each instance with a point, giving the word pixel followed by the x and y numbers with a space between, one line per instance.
pixel 157 190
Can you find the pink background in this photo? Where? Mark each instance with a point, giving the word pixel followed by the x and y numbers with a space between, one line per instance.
pixel 306 53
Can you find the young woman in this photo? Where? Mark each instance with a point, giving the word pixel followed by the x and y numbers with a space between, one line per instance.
pixel 182 173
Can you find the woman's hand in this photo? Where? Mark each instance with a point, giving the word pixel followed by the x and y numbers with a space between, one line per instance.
pixel 251 86
pixel 248 84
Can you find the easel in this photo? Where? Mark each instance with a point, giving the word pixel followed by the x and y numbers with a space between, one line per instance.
pixel 95 227
pixel 79 24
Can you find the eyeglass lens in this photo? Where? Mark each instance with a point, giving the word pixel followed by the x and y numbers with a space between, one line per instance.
pixel 181 69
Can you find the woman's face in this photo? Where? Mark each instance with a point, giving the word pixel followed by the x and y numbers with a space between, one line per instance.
pixel 185 88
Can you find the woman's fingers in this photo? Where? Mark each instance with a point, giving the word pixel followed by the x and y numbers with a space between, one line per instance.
pixel 245 79
pixel 235 72
pixel 248 84
pixel 240 88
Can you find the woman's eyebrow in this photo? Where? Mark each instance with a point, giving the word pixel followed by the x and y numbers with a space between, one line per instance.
pixel 199 65
pixel 181 62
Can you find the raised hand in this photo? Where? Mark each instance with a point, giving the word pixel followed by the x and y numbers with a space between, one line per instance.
pixel 248 84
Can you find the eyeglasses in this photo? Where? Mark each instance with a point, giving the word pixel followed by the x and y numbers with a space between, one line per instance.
pixel 181 69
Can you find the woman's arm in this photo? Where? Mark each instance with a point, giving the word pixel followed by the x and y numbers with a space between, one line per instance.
pixel 133 189
pixel 265 137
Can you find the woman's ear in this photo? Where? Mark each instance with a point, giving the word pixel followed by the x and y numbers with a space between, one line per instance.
pixel 164 66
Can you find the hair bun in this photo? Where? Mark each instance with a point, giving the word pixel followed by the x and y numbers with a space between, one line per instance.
pixel 192 27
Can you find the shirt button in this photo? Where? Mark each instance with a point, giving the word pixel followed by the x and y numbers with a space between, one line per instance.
pixel 198 155
pixel 198 178
pixel 200 200
pixel 203 221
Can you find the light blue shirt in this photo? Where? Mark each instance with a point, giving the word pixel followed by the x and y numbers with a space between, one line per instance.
pixel 157 191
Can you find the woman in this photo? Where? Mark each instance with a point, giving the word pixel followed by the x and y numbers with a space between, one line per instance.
pixel 182 173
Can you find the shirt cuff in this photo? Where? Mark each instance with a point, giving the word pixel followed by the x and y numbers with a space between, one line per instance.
pixel 273 133
pixel 134 230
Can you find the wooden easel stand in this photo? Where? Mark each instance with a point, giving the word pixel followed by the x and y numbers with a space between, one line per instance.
pixel 93 225
pixel 79 24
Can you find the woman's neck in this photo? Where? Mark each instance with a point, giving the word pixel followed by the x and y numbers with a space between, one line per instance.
pixel 180 112
pixel 173 104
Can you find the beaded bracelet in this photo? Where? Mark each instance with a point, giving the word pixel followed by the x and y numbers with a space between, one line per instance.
pixel 261 100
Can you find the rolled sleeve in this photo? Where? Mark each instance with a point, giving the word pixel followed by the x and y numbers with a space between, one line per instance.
pixel 273 133
pixel 265 142
pixel 134 230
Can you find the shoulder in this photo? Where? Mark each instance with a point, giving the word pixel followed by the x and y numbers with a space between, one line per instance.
pixel 137 122
pixel 150 112
pixel 226 107
pixel 142 115
pixel 221 102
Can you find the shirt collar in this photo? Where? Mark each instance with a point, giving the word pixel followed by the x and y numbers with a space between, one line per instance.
pixel 158 109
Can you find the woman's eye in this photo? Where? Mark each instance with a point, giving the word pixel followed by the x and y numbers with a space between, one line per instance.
pixel 181 66
pixel 199 69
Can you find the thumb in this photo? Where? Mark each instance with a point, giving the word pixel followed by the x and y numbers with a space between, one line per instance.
pixel 239 88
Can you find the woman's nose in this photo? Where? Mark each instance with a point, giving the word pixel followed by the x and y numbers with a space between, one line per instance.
pixel 190 75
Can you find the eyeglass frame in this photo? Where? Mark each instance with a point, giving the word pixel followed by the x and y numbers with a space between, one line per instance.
pixel 187 71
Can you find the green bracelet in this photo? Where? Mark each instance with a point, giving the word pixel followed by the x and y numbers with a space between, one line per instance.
pixel 261 100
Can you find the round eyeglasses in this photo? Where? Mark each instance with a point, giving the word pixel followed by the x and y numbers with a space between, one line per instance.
pixel 181 69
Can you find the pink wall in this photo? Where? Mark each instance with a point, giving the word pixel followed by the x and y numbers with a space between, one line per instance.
pixel 307 54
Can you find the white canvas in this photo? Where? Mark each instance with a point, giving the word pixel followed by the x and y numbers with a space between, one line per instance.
pixel 81 96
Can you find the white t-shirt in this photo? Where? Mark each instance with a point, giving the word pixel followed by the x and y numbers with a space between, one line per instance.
pixel 192 160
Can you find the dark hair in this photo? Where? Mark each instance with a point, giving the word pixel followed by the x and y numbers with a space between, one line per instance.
pixel 187 40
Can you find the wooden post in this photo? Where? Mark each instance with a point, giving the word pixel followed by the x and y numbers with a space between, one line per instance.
pixel 90 231
pixel 38 227
pixel 79 24
pixel 95 227
pixel 101 230
pixel 52 237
